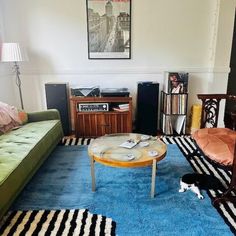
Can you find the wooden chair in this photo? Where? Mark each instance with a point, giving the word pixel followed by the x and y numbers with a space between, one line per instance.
pixel 211 106
pixel 209 119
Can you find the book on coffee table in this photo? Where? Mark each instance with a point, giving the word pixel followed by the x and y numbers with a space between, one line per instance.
pixel 129 143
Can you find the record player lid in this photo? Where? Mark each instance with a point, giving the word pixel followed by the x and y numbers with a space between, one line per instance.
pixel 119 92
pixel 116 90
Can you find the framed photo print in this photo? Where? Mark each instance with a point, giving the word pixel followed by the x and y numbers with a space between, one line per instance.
pixel 109 29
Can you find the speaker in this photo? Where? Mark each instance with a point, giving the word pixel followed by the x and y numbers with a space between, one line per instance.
pixel 147 108
pixel 57 97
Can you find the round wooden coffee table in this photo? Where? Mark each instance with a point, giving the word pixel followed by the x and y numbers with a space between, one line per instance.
pixel 107 150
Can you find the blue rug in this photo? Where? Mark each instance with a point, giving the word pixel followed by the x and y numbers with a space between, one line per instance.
pixel 64 181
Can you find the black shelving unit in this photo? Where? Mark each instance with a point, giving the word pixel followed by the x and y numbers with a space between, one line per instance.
pixel 173 112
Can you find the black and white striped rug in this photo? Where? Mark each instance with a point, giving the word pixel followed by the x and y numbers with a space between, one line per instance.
pixel 75 141
pixel 56 222
pixel 199 164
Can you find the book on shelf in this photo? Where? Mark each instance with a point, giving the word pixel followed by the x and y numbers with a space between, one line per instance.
pixel 167 127
pixel 121 107
pixel 174 103
pixel 179 124
pixel 166 103
pixel 172 124
pixel 176 82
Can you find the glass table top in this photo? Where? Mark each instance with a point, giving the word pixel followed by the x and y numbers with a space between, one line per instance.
pixel 129 148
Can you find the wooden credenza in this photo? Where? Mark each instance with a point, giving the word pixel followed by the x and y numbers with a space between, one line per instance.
pixel 95 124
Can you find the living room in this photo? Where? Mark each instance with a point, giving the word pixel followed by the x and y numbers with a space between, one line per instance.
pixel 166 36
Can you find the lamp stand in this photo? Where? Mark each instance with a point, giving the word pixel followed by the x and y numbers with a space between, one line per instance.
pixel 18 82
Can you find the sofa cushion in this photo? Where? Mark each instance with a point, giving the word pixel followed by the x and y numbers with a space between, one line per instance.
pixel 217 143
pixel 17 144
pixel 8 117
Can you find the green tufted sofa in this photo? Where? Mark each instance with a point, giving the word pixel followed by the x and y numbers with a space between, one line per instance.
pixel 23 150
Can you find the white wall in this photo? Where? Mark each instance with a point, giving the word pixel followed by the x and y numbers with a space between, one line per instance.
pixel 7 93
pixel 7 90
pixel 166 35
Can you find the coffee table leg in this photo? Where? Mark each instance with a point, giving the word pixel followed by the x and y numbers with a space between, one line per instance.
pixel 93 174
pixel 154 168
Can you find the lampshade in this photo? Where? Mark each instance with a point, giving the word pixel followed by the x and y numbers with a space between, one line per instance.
pixel 12 52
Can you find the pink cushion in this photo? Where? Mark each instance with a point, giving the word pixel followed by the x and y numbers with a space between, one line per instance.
pixel 8 117
pixel 217 143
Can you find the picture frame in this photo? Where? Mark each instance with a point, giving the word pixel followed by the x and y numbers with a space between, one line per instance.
pixel 109 29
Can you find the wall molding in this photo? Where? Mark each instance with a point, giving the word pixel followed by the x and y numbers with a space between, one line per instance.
pixel 214 24
pixel 122 70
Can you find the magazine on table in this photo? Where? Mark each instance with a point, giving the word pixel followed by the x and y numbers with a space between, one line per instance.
pixel 129 143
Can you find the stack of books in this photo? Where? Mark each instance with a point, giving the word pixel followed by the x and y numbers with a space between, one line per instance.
pixel 122 107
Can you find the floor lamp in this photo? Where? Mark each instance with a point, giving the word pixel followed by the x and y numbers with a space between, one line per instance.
pixel 11 52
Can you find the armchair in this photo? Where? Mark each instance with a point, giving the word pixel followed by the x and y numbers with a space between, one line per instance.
pixel 218 144
pixel 211 106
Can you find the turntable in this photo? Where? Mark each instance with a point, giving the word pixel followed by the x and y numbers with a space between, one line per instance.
pixel 115 92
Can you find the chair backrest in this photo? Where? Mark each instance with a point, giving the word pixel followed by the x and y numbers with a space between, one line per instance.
pixel 210 109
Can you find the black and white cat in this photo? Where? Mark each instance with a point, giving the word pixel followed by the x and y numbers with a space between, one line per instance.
pixel 196 182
